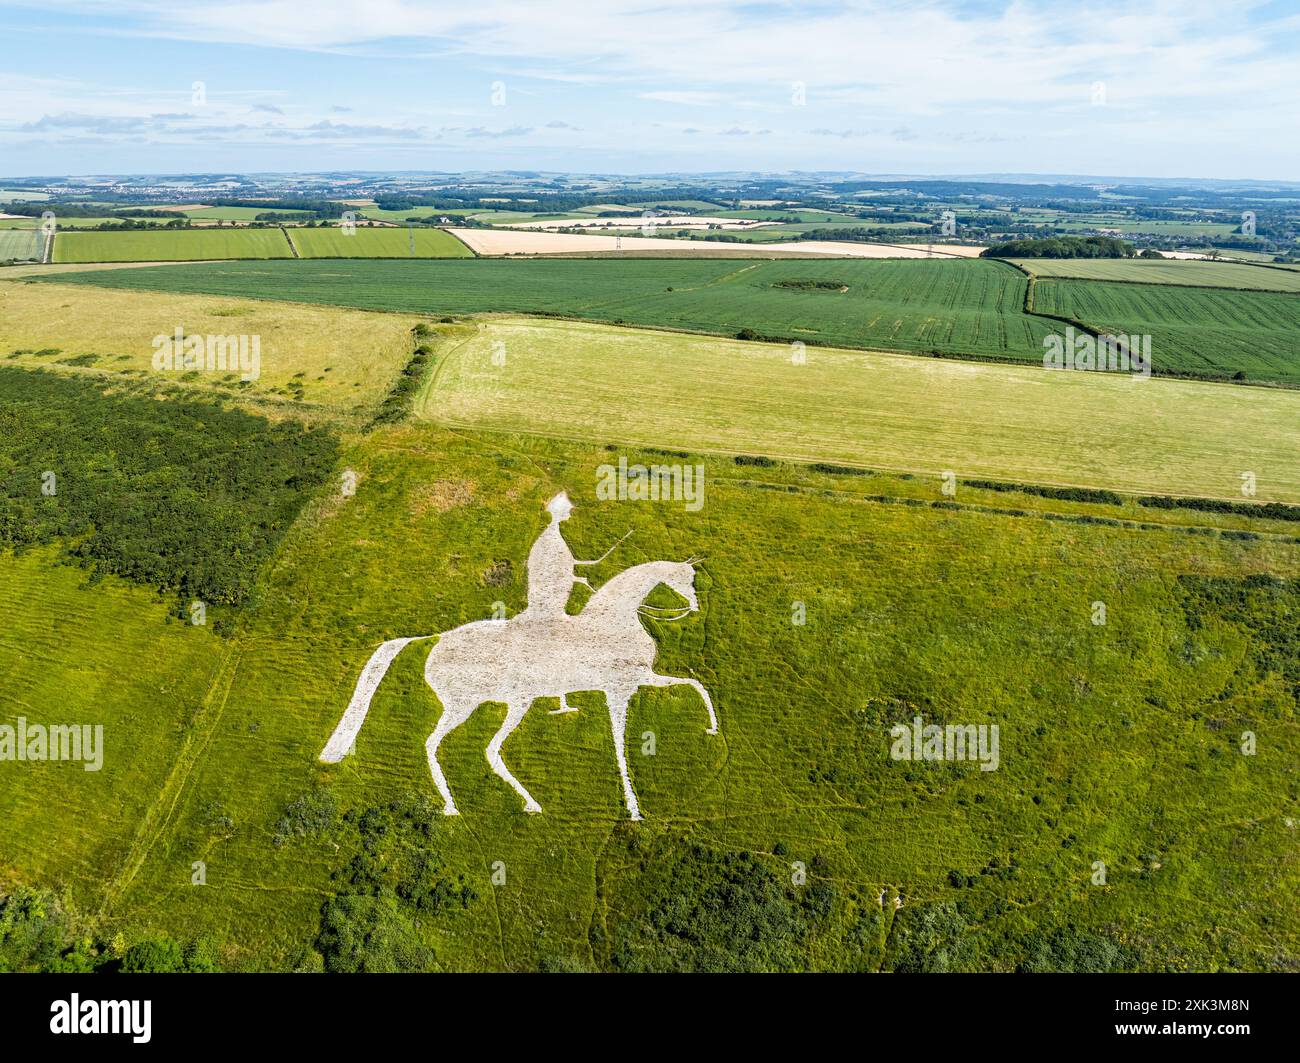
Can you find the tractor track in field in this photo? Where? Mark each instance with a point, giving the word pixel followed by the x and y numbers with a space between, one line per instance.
pixel 160 813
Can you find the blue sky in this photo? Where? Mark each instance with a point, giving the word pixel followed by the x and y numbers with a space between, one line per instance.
pixel 1189 89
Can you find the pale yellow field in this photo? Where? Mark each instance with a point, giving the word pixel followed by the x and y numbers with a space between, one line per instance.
pixel 518 241
pixel 346 358
pixel 881 411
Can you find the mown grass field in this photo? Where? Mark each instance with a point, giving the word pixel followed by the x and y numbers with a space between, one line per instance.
pixel 1119 743
pixel 378 243
pixel 1192 330
pixel 878 410
pixel 337 360
pixel 171 245
pixel 1194 272
pixel 961 307
pixel 20 245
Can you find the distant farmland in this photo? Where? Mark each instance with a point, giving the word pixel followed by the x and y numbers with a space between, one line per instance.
pixel 378 243
pixel 949 307
pixel 238 213
pixel 20 245
pixel 174 245
pixel 1198 272
pixel 1193 330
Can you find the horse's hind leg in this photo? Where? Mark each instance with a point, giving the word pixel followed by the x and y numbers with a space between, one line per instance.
pixel 514 713
pixel 452 717
pixel 618 725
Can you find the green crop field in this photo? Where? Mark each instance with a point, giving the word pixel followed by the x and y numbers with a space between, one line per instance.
pixel 956 308
pixel 21 245
pixel 378 243
pixel 964 307
pixel 1196 272
pixel 878 410
pixel 176 245
pixel 1193 330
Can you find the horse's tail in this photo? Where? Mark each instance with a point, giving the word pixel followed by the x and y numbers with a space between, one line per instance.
pixel 355 715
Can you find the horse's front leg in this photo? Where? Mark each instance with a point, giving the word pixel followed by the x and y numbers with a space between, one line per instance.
pixel 650 679
pixel 514 713
pixel 618 725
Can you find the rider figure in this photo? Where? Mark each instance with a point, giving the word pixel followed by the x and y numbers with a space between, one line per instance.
pixel 550 565
pixel 550 571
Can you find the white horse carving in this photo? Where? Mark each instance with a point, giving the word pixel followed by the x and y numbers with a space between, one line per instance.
pixel 604 647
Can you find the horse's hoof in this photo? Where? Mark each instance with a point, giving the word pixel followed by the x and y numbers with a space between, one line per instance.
pixel 532 806
pixel 711 731
pixel 450 810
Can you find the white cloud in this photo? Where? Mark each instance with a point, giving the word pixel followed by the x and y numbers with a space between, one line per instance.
pixel 1184 79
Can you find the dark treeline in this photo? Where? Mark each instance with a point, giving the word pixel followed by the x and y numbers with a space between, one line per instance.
pixel 67 210
pixel 1062 247
pixel 397 403
pixel 185 495
pixel 1269 510
pixel 41 932
pixel 1067 494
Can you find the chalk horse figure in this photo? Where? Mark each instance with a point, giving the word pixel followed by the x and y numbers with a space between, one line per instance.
pixel 541 652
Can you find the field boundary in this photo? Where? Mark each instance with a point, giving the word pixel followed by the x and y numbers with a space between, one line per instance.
pixel 788 459
pixel 1095 331
pixel 1155 284
pixel 1005 511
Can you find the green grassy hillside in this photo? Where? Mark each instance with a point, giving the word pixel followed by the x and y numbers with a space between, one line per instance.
pixel 1119 742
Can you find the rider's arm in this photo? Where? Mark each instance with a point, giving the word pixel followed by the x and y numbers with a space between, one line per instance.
pixel 605 554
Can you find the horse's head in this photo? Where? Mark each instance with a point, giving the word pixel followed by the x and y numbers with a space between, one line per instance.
pixel 629 589
pixel 680 577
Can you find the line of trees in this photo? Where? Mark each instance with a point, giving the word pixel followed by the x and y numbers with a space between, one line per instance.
pixel 1062 247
